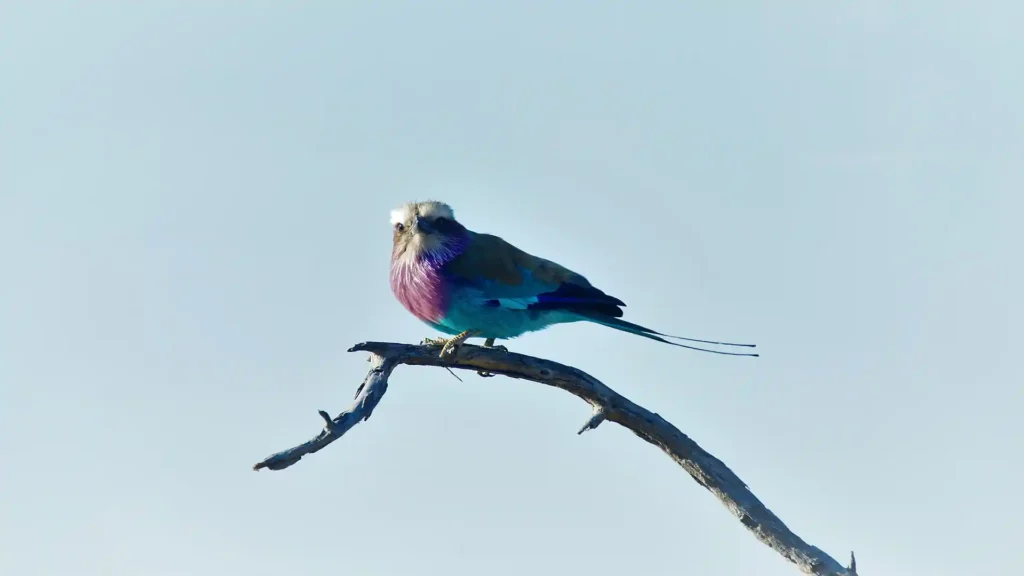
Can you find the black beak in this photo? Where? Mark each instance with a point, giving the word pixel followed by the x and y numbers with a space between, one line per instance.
pixel 424 226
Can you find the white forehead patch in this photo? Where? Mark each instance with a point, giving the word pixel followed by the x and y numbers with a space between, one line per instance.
pixel 402 215
pixel 428 209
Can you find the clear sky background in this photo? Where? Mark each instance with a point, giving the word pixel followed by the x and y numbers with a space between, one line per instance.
pixel 194 204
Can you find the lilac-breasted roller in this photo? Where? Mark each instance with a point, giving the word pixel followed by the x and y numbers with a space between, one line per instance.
pixel 469 284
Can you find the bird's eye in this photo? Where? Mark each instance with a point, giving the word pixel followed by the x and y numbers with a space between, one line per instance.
pixel 400 227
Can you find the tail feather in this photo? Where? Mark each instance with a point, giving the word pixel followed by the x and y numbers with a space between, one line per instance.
pixel 639 330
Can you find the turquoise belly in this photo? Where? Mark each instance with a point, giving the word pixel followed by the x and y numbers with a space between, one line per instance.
pixel 495 321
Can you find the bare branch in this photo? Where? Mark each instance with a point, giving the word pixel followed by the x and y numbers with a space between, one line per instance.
pixel 707 470
pixel 595 420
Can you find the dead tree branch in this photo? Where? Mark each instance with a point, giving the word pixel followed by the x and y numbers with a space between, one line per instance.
pixel 607 404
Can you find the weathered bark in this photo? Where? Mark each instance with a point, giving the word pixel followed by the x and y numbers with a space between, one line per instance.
pixel 607 404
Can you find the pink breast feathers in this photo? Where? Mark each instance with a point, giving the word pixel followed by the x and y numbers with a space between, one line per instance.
pixel 419 287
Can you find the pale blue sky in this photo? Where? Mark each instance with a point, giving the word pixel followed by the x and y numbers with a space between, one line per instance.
pixel 194 204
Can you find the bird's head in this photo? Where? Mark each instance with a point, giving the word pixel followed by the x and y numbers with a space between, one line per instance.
pixel 426 230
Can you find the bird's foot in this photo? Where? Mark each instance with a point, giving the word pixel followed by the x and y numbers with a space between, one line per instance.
pixel 489 343
pixel 451 346
pixel 439 342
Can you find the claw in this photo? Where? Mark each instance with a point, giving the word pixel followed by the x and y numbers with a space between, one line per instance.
pixel 452 345
pixel 449 348
pixel 489 343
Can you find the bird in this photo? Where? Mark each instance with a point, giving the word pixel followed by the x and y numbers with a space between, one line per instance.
pixel 468 284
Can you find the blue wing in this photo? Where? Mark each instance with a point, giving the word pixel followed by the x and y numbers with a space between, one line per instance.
pixel 494 273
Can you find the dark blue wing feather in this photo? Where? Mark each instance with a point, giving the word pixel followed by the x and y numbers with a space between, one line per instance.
pixel 573 297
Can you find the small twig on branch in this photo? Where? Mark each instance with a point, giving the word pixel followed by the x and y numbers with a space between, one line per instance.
pixel 607 404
